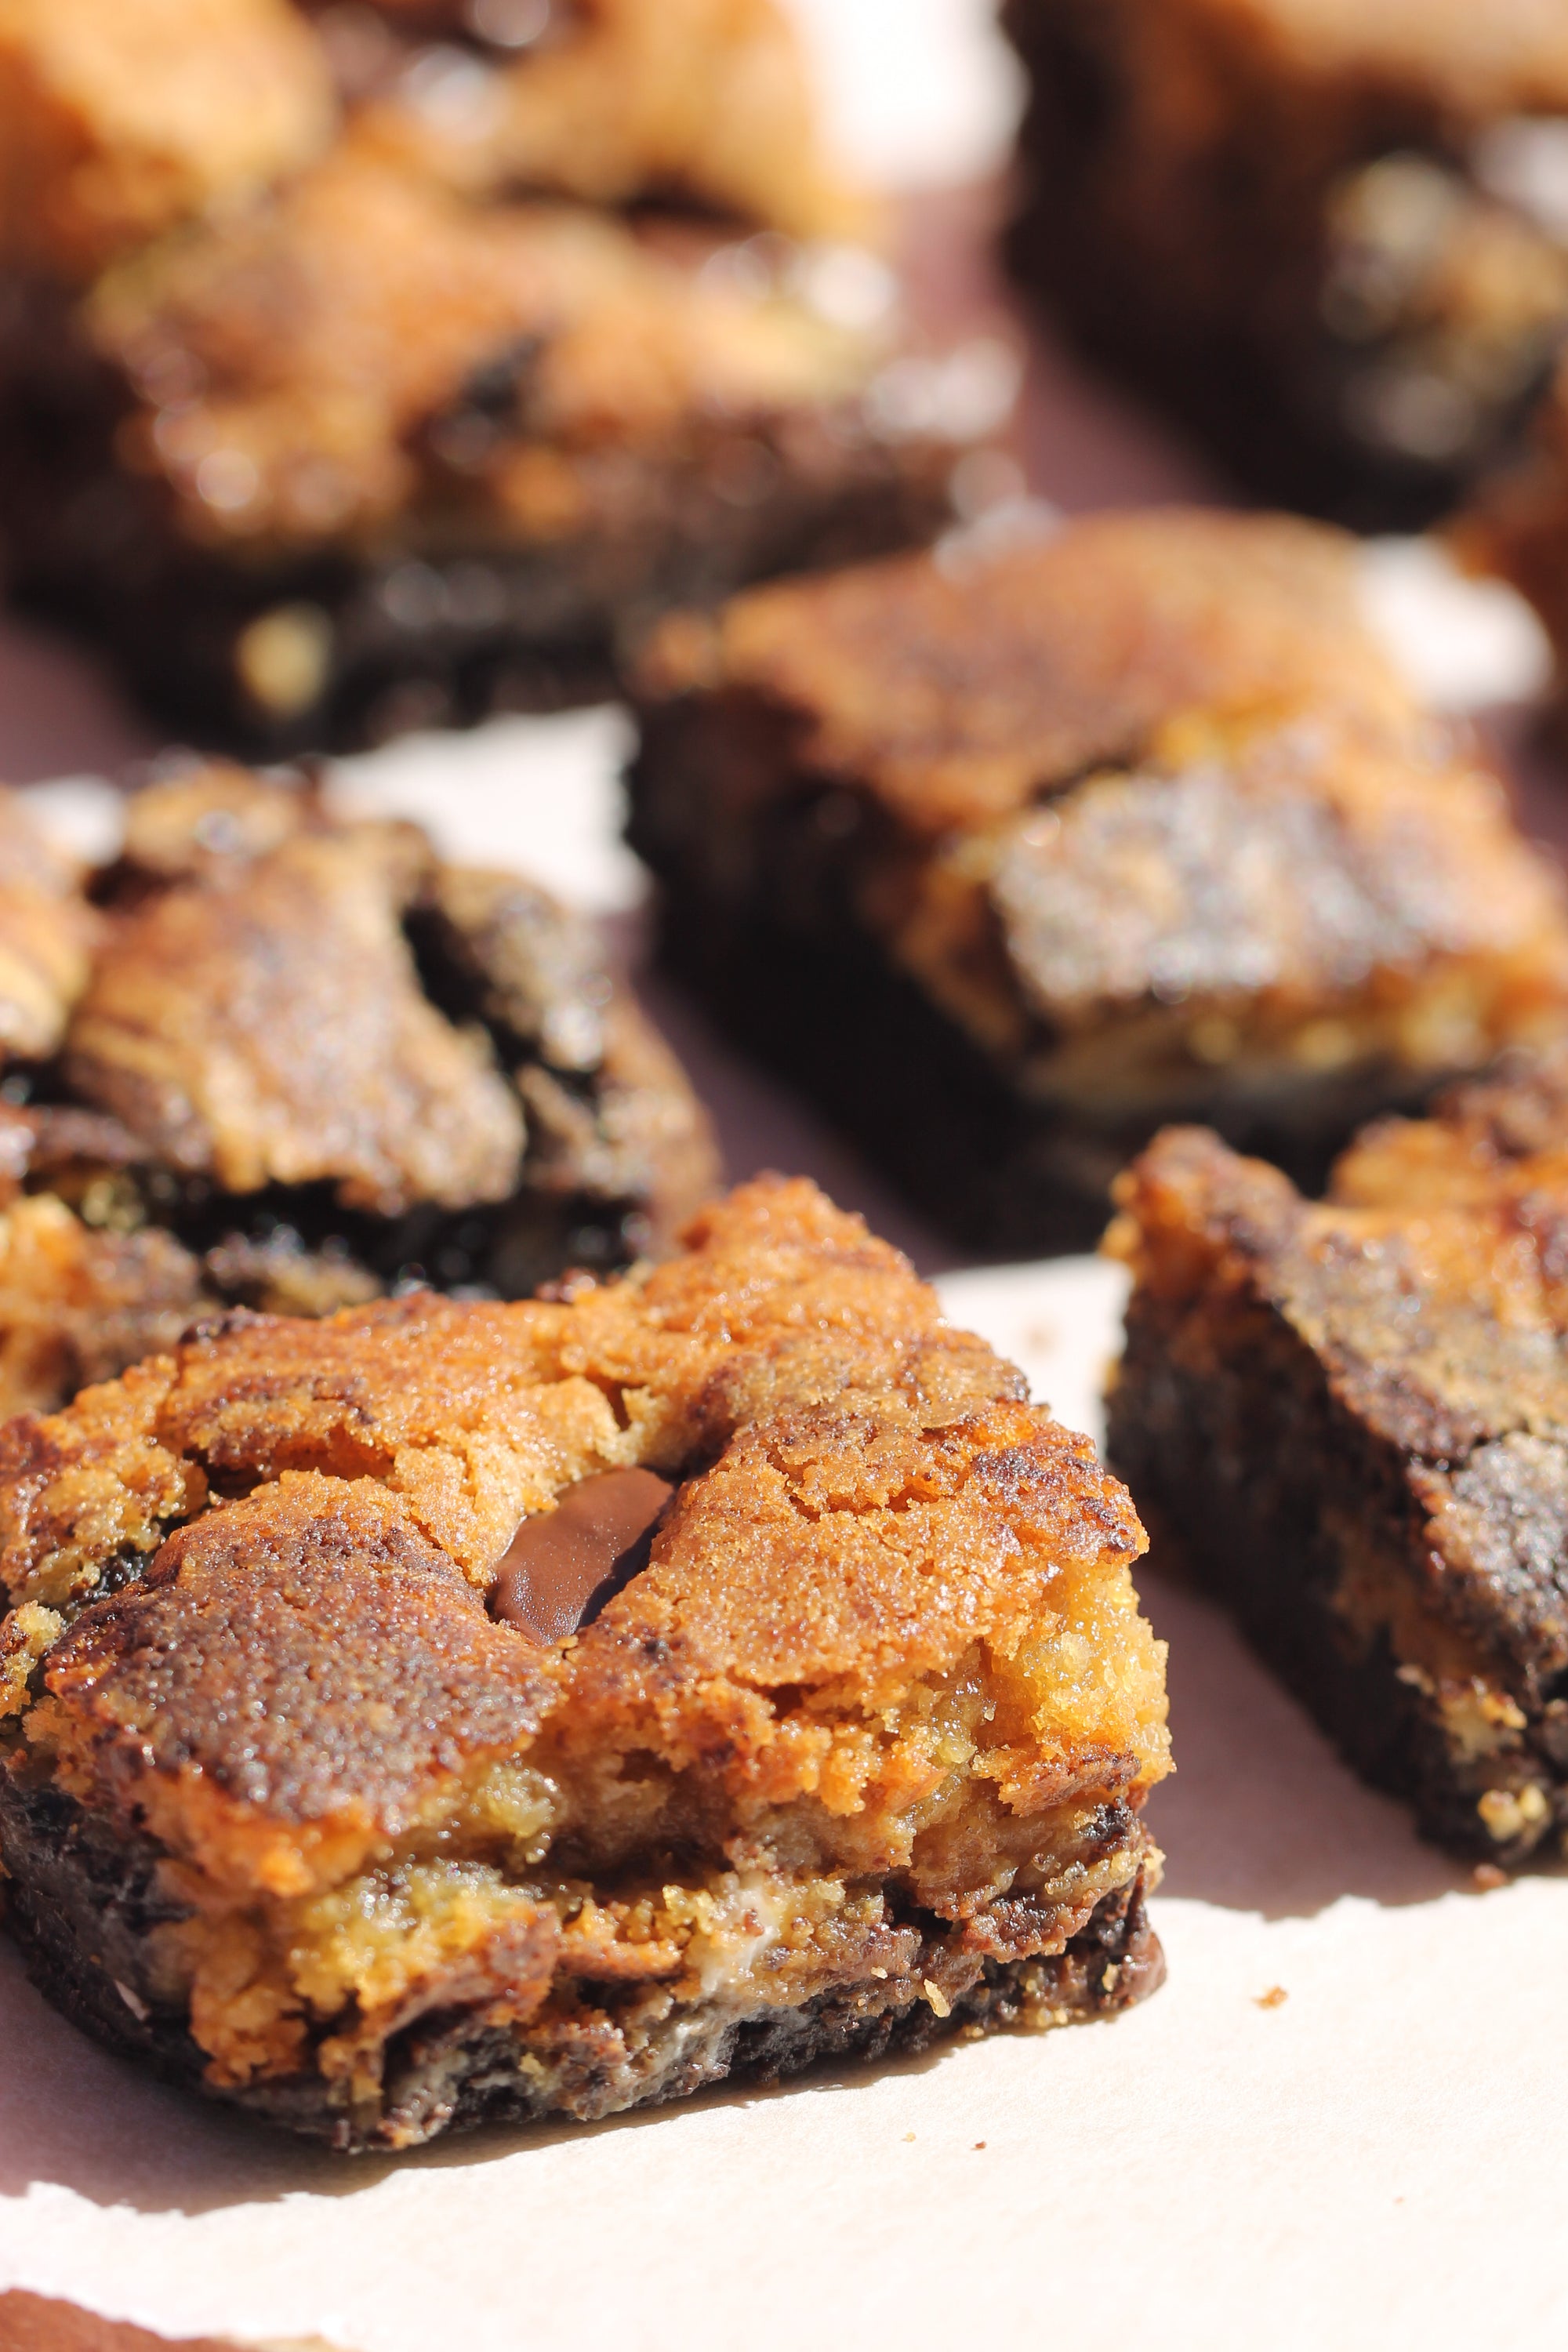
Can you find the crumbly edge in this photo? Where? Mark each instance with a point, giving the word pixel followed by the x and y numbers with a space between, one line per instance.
pixel 1220 1420
pixel 87 1910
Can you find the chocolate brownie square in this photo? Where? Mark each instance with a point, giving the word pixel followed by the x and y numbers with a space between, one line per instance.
pixel 280 1057
pixel 1012 853
pixel 1334 240
pixel 452 1711
pixel 1347 1416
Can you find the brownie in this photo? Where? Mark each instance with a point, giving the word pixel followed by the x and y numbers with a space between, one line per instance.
pixel 1333 239
pixel 1012 853
pixel 279 1057
pixel 366 439
pixel 1348 1418
pixel 451 1711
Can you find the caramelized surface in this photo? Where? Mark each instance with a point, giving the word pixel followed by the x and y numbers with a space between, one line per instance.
pixel 891 1603
pixel 281 1033
pixel 956 690
pixel 285 363
pixel 267 1026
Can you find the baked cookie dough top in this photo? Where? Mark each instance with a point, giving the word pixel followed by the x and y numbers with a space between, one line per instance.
pixel 277 1545
pixel 958 687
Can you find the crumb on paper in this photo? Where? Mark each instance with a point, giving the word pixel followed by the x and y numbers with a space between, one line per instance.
pixel 1486 1875
pixel 938 1999
pixel 908 2136
pixel 980 2143
pixel 1275 1997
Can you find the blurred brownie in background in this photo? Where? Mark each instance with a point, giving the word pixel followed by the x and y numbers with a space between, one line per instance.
pixel 1350 1415
pixel 1333 237
pixel 359 442
pixel 699 103
pixel 1010 853
pixel 282 1058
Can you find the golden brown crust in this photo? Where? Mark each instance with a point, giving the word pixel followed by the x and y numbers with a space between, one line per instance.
pixel 881 1501
pixel 954 690
pixel 881 1696
pixel 267 1026
pixel 47 935
pixel 312 1050
pixel 285 363
pixel 705 100
pixel 119 118
pixel 303 1657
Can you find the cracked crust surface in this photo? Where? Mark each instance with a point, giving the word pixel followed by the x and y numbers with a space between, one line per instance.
pixel 1352 1415
pixel 955 691
pixel 878 1718
pixel 303 1056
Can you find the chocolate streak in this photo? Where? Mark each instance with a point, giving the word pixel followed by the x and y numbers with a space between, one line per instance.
pixel 563 1566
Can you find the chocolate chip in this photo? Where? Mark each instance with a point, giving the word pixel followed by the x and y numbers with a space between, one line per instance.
pixel 563 1566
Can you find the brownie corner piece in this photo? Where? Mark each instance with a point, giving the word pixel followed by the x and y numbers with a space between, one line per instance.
pixel 1328 239
pixel 1350 1415
pixel 1012 853
pixel 276 1056
pixel 687 1675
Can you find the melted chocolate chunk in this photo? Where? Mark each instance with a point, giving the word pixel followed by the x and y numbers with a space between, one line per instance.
pixel 563 1566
